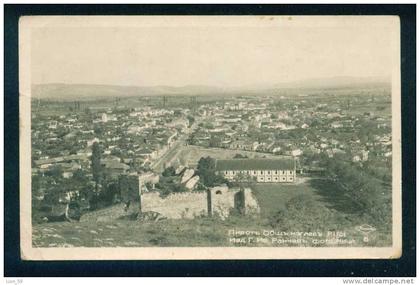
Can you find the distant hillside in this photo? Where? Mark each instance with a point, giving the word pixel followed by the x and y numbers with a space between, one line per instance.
pixel 337 83
pixel 83 91
pixel 80 91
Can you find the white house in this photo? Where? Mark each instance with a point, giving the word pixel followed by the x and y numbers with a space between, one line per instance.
pixel 262 170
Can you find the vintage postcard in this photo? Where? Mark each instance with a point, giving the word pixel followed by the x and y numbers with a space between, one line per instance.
pixel 210 137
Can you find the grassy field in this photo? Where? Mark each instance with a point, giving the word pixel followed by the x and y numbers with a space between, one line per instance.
pixel 125 233
pixel 191 154
pixel 272 198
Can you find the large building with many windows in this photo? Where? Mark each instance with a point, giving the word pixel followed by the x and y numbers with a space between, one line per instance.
pixel 261 170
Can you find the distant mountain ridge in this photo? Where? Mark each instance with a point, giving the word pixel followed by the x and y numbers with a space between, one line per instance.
pixel 80 91
pixel 336 82
pixel 60 90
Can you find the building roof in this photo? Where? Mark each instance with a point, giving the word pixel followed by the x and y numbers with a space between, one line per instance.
pixel 255 164
pixel 61 159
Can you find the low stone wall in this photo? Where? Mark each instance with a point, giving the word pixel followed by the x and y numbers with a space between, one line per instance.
pixel 111 213
pixel 176 205
pixel 218 201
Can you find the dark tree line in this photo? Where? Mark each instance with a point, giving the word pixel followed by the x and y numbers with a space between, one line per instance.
pixel 96 166
pixel 371 194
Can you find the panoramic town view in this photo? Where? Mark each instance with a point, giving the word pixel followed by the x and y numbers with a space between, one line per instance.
pixel 286 168
pixel 211 132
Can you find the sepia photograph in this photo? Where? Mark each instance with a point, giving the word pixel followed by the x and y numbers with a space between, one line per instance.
pixel 210 137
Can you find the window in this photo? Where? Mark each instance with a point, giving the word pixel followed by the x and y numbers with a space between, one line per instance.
pixel 275 172
pixel 255 172
pixel 218 192
pixel 269 172
pixel 262 172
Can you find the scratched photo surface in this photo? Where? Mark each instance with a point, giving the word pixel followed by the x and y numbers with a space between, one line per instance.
pixel 210 137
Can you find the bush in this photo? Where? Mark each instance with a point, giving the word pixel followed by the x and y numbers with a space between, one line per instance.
pixel 170 171
pixel 168 185
pixel 238 155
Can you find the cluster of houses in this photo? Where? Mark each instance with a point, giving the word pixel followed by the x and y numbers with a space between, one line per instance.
pixel 294 129
pixel 129 140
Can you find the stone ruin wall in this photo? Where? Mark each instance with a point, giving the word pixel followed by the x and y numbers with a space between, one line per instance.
pixel 222 201
pixel 182 205
pixel 219 201
pixel 176 205
pixel 251 203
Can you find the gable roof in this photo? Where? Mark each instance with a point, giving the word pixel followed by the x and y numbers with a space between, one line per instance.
pixel 255 164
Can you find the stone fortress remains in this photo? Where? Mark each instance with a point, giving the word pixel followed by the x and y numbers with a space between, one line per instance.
pixel 218 201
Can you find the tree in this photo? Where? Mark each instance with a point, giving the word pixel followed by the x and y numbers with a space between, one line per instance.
pixel 96 164
pixel 191 120
pixel 51 198
pixel 111 193
pixel 79 176
pixel 128 188
pixel 98 130
pixel 170 171
pixel 206 169
pixel 168 185
pixel 56 172
pixel 191 139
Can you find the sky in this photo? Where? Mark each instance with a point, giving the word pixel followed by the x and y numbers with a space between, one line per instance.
pixel 220 51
